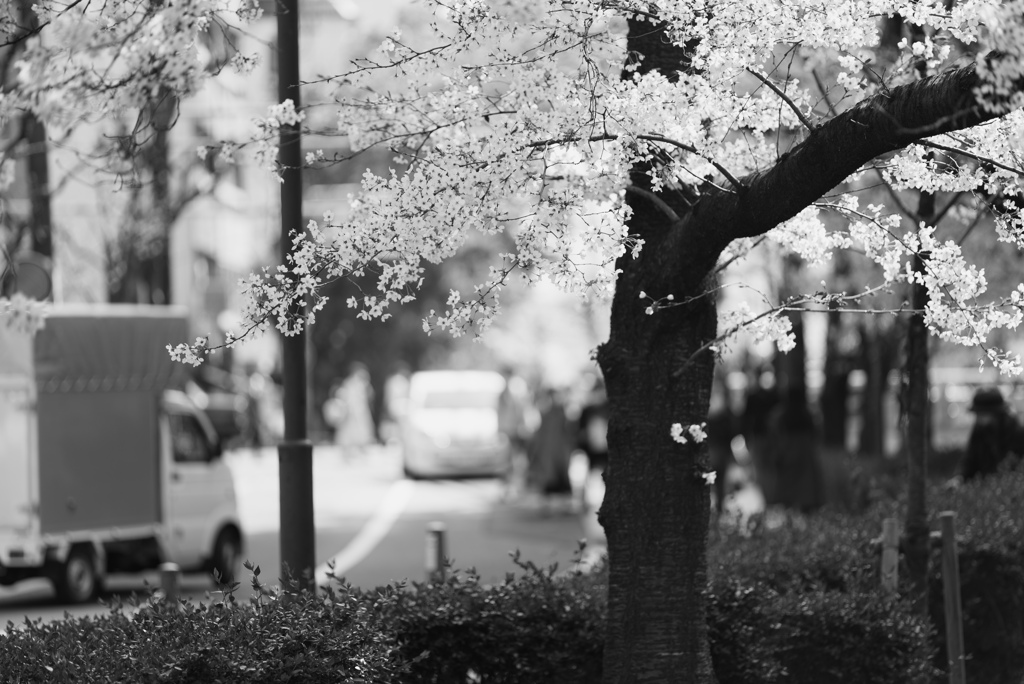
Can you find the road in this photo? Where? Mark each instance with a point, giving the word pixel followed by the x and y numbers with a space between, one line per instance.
pixel 370 521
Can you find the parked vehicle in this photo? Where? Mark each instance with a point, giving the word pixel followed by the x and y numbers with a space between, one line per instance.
pixel 450 426
pixel 105 467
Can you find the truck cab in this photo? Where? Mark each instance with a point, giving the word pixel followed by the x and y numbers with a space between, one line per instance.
pixel 200 507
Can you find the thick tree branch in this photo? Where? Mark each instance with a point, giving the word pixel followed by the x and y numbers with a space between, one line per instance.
pixel 837 148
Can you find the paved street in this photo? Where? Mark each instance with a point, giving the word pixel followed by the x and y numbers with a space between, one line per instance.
pixel 371 522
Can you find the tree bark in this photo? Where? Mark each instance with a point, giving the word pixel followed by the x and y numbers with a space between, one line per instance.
pixel 656 509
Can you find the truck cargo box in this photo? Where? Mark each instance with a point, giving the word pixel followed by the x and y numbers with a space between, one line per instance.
pixel 99 371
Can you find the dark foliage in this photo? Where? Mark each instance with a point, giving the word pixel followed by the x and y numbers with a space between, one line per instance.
pixel 278 638
pixel 536 628
pixel 990 540
pixel 817 636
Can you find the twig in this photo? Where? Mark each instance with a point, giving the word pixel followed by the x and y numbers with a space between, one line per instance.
pixel 785 98
pixel 824 93
pixel 904 209
pixel 986 160
pixel 740 188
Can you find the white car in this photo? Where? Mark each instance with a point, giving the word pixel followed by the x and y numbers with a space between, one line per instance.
pixel 450 425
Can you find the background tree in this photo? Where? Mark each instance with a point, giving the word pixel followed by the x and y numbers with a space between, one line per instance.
pixel 119 73
pixel 26 138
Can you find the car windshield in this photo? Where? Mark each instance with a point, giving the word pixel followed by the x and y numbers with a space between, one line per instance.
pixel 460 400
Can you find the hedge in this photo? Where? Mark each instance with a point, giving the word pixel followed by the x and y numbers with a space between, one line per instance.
pixel 797 604
pixel 818 636
pixel 840 552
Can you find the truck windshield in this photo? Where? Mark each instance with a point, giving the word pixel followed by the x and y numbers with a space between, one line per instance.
pixel 189 440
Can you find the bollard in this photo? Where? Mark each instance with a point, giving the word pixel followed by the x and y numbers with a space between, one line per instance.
pixel 170 582
pixel 890 554
pixel 951 592
pixel 436 532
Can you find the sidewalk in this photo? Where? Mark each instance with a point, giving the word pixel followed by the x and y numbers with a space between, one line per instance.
pixel 553 517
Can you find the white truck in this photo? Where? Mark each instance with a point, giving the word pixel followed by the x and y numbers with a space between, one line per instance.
pixel 105 465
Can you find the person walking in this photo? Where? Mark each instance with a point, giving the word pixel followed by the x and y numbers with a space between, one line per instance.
pixel 593 437
pixel 348 411
pixel 996 435
pixel 549 450
pixel 513 403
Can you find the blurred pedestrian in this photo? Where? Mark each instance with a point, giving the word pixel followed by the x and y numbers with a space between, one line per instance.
pixel 549 450
pixel 794 436
pixel 348 411
pixel 513 403
pixel 592 437
pixel 396 398
pixel 720 431
pixel 996 435
pixel 761 400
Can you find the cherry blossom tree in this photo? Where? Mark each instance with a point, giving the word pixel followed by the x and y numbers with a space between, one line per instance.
pixel 632 150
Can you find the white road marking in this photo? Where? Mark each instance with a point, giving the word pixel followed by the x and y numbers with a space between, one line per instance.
pixel 371 534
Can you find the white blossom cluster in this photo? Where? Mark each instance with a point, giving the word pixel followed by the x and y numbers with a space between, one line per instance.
pixel 683 435
pixel 1000 90
pixel 21 314
pixel 771 325
pixel 806 235
pixel 268 130
pixel 93 60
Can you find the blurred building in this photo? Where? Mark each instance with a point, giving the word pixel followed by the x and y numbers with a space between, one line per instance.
pixel 230 224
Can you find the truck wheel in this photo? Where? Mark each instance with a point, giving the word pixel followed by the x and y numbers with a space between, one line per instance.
pixel 227 555
pixel 77 580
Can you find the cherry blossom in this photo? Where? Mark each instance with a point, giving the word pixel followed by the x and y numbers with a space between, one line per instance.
pixel 683 435
pixel 21 314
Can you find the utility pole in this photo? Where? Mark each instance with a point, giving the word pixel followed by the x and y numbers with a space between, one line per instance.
pixel 295 453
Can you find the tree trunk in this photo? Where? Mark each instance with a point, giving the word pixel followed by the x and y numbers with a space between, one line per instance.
pixel 791 367
pixel 916 402
pixel 835 390
pixel 143 250
pixel 916 534
pixel 41 225
pixel 658 372
pixel 916 405
pixel 656 509
pixel 872 433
